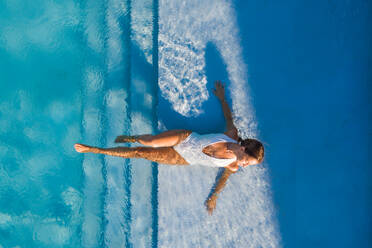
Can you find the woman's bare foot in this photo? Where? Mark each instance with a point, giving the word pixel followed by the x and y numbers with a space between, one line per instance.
pixel 82 148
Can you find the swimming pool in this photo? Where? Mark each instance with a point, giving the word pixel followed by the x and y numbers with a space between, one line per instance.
pixel 86 71
pixel 73 72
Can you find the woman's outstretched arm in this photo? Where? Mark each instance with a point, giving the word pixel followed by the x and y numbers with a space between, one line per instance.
pixel 220 93
pixel 212 200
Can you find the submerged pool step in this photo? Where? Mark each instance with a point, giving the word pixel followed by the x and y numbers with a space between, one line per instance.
pixel 119 92
pixel 117 206
pixel 143 90
pixel 92 125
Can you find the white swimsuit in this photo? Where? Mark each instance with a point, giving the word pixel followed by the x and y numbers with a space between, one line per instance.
pixel 191 149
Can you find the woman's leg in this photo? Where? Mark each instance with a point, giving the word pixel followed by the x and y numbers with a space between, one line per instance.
pixel 163 155
pixel 164 139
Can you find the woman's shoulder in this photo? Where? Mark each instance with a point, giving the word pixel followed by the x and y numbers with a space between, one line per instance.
pixel 233 167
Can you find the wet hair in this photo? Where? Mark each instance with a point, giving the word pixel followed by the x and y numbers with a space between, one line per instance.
pixel 253 148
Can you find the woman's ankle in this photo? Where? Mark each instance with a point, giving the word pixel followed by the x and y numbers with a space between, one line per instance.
pixel 94 149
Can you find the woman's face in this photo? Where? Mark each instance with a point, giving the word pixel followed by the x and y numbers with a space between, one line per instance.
pixel 244 159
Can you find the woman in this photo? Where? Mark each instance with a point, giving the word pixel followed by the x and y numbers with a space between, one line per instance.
pixel 184 147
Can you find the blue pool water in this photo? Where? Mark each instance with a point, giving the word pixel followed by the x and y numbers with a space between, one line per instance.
pixel 297 77
pixel 311 80
pixel 72 71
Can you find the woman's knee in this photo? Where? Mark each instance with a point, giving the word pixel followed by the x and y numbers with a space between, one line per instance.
pixel 165 139
pixel 183 135
pixel 146 139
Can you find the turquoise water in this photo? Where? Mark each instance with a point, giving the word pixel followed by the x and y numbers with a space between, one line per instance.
pixel 86 71
pixel 70 73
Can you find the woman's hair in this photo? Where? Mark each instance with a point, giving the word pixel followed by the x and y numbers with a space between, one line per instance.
pixel 253 148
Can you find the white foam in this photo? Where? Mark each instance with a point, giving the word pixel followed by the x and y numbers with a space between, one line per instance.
pixel 181 69
pixel 244 216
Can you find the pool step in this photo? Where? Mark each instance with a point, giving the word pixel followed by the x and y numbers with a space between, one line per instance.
pixel 118 208
pixel 92 125
pixel 143 92
pixel 117 205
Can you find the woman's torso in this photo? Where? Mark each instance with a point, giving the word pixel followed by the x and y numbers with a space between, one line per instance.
pixel 206 149
pixel 218 150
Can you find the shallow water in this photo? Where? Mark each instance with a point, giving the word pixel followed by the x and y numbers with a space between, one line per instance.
pixel 69 75
pixel 204 36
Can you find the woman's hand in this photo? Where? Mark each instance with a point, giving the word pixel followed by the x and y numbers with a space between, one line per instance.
pixel 211 203
pixel 220 90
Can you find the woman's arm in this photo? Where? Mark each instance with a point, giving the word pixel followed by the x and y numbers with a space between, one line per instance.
pixel 212 200
pixel 220 93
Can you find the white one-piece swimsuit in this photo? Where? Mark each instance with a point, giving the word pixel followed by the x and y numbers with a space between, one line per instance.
pixel 191 149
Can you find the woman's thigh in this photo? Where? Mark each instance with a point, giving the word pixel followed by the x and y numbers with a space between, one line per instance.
pixel 166 139
pixel 163 155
